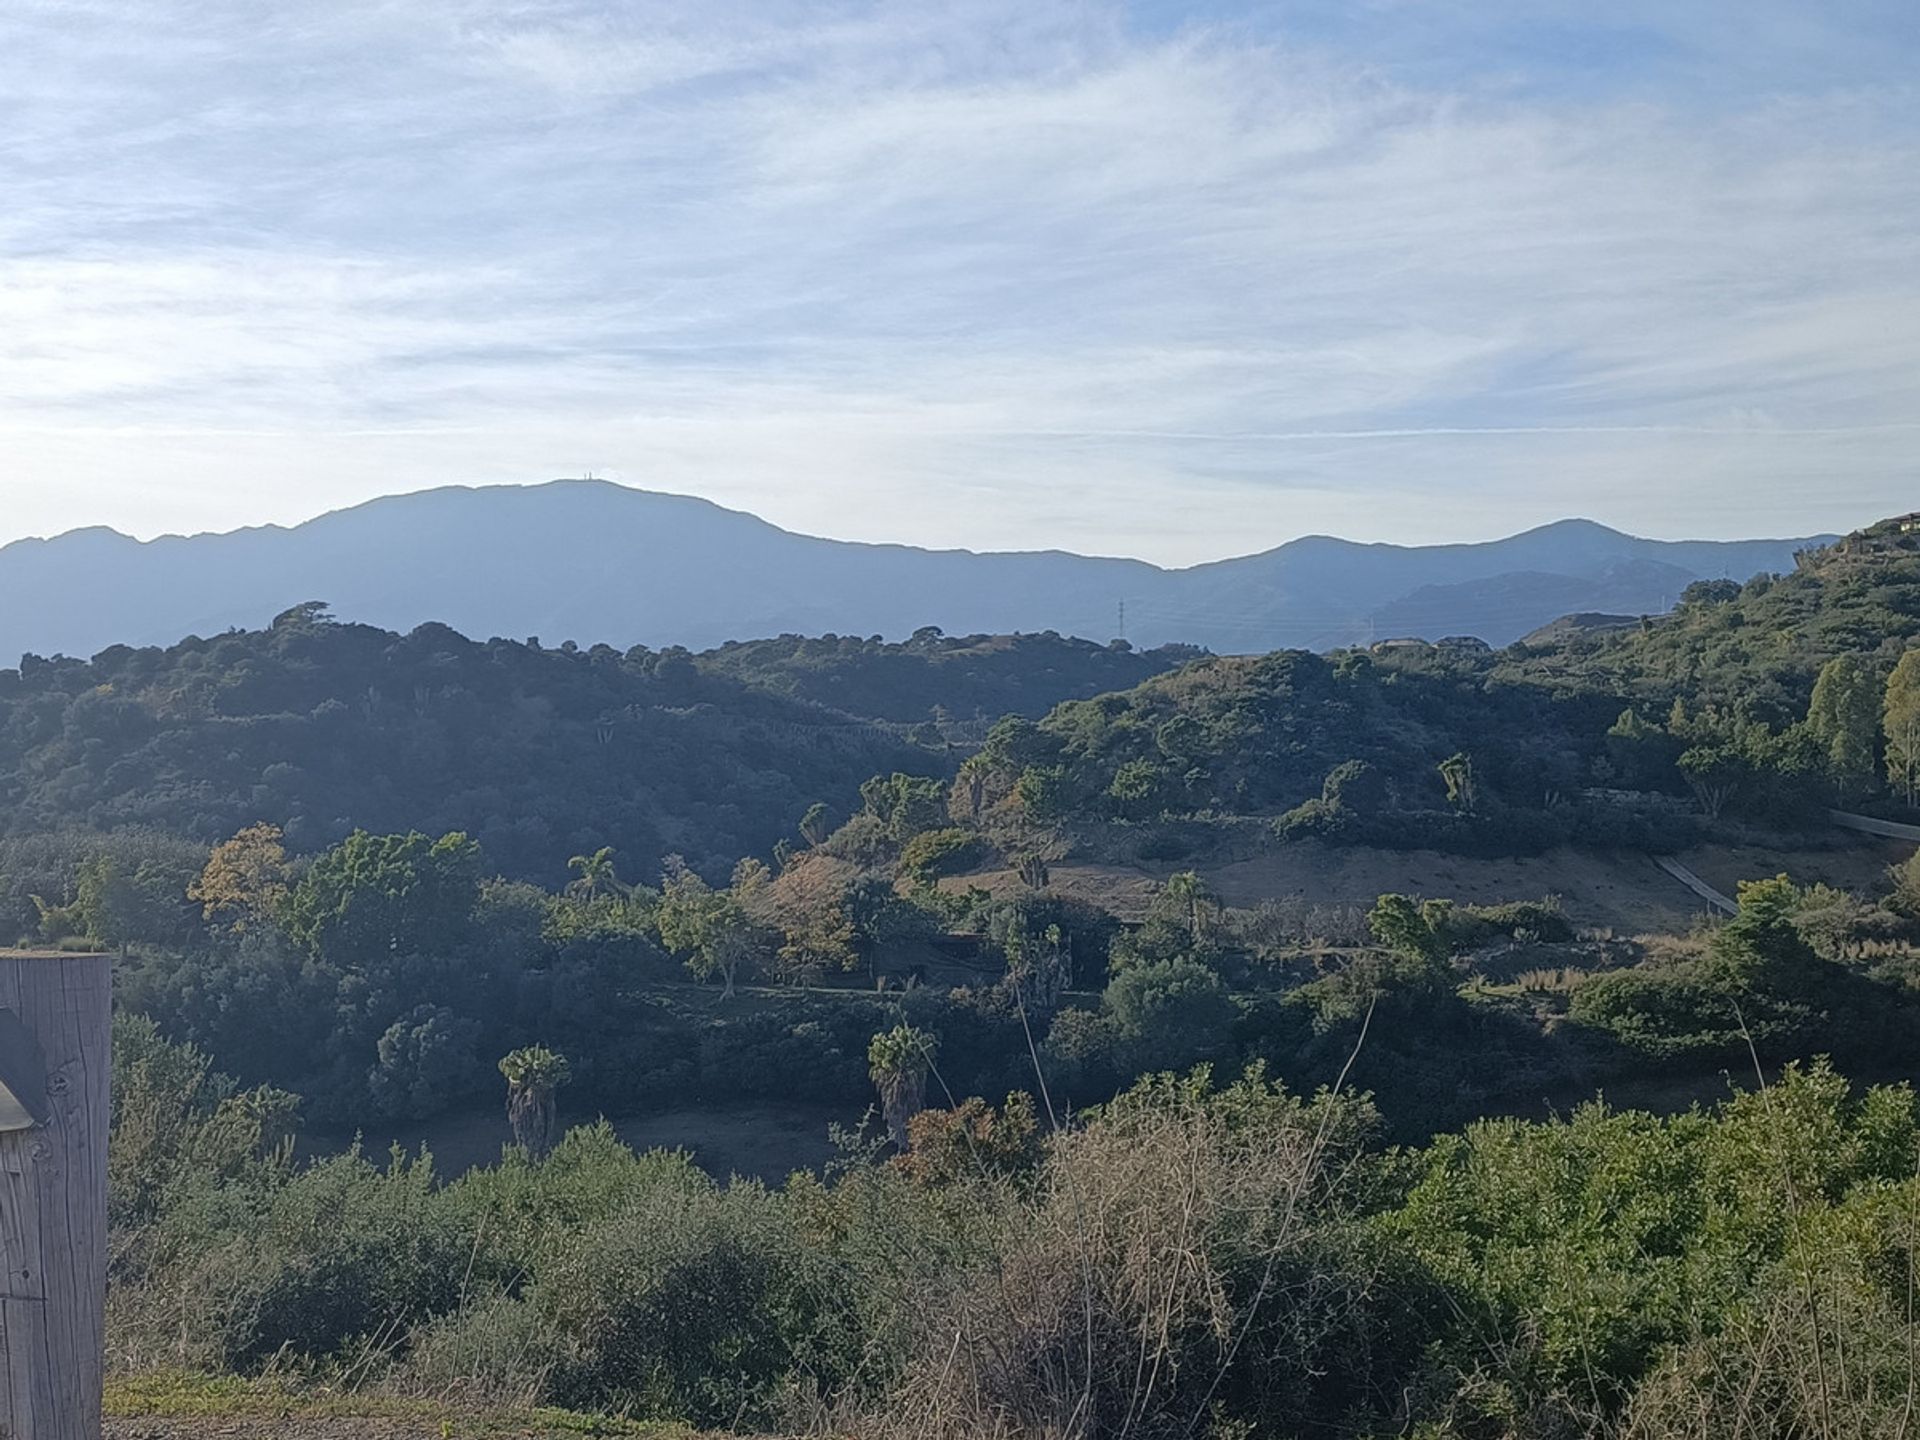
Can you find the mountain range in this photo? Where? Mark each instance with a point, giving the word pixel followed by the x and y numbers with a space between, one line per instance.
pixel 592 561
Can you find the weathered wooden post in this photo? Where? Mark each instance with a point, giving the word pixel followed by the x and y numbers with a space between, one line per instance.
pixel 55 1030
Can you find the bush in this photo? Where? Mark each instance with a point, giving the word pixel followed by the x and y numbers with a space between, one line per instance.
pixel 682 1306
pixel 1116 1302
pixel 342 1252
pixel 933 853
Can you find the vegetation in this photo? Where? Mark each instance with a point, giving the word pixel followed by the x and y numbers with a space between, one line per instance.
pixel 361 869
pixel 1611 1272
pixel 936 678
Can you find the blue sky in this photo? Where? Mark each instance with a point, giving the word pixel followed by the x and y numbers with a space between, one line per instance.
pixel 1177 281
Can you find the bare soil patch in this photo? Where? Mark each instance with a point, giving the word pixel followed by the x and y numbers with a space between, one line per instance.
pixel 1619 890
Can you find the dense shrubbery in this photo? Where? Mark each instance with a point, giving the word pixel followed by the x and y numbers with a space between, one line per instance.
pixel 939 677
pixel 1188 1260
pixel 322 728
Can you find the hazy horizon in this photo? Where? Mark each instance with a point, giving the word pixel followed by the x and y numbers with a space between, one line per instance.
pixel 1120 278
pixel 1249 548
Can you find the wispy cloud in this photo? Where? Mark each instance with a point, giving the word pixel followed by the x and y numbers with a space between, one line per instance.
pixel 1174 281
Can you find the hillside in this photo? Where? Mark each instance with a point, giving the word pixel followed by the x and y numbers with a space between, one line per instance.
pixel 322 728
pixel 967 678
pixel 595 562
pixel 1756 646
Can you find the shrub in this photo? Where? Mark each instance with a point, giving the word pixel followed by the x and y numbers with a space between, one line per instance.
pixel 933 853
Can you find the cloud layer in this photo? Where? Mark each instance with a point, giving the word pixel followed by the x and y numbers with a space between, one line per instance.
pixel 1170 281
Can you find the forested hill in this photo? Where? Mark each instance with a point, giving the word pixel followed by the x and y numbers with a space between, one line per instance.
pixel 964 678
pixel 538 752
pixel 1771 700
pixel 595 562
pixel 322 728
pixel 1759 646
pixel 543 753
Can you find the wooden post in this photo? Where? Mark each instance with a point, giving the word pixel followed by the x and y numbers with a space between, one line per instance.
pixel 53 1204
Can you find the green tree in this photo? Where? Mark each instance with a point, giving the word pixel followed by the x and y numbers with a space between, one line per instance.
pixel 1137 787
pixel 1900 722
pixel 905 804
pixel 1413 930
pixel 108 904
pixel 814 828
pixel 711 928
pixel 1457 771
pixel 425 1062
pixel 1169 1014
pixel 1190 898
pixel 594 875
pixel 898 1061
pixel 376 895
pixel 1844 717
pixel 534 1076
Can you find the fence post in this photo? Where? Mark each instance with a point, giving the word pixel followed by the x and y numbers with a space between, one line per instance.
pixel 53 1194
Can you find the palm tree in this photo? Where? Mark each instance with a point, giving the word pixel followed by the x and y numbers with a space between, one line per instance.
pixel 533 1075
pixel 1457 771
pixel 1188 893
pixel 596 876
pixel 813 825
pixel 898 1060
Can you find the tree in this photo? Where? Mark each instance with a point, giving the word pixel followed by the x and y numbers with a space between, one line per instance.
pixel 425 1062
pixel 905 804
pixel 898 1061
pixel 1900 721
pixel 1169 1014
pixel 711 928
pixel 108 904
pixel 377 895
pixel 1039 970
pixel 1844 717
pixel 1136 788
pixel 245 881
pixel 818 941
pixel 808 902
pixel 1457 771
pixel 1189 897
pixel 813 825
pixel 1641 752
pixel 1412 930
pixel 534 1075
pixel 1715 772
pixel 594 875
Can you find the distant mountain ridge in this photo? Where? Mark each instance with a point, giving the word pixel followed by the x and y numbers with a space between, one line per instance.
pixel 592 561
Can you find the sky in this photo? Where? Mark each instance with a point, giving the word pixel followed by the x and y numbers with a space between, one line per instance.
pixel 1177 281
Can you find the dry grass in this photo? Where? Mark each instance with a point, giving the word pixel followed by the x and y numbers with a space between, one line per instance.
pixel 1127 1282
pixel 191 1404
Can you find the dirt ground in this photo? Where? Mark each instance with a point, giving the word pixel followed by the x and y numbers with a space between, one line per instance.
pixel 1622 891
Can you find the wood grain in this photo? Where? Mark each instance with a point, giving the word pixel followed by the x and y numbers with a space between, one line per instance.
pixel 53 1206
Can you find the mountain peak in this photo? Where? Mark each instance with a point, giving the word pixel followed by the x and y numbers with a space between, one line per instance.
pixel 592 560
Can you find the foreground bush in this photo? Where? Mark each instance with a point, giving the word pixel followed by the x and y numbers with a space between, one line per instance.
pixel 1187 1261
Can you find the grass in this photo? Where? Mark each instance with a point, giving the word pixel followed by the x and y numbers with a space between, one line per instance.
pixel 181 1396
